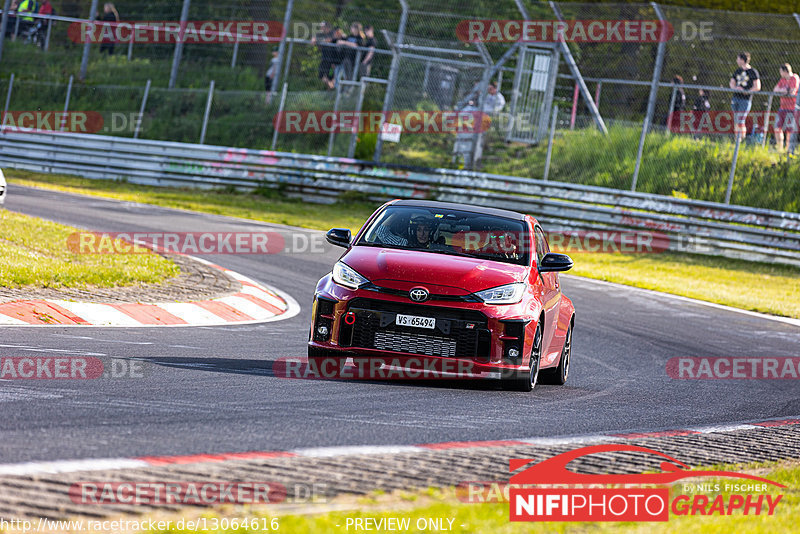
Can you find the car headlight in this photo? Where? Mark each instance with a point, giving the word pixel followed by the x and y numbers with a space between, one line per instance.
pixel 507 294
pixel 347 276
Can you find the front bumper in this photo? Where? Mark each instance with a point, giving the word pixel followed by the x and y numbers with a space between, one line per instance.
pixel 467 335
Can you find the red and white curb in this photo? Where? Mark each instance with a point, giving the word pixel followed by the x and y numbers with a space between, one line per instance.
pixel 71 466
pixel 255 303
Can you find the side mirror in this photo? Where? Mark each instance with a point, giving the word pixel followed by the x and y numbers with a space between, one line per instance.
pixel 341 237
pixel 553 262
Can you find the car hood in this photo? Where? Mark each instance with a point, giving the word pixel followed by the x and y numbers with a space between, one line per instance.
pixel 403 269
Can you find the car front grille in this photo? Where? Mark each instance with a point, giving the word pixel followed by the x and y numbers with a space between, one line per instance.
pixel 458 334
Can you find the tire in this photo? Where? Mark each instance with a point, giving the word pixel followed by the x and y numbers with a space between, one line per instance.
pixel 326 363
pixel 558 375
pixel 526 380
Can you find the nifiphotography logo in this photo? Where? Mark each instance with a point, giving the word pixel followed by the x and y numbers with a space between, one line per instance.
pixel 549 491
pixel 628 497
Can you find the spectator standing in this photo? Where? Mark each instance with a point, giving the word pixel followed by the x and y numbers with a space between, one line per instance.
pixel 26 6
pixel 787 119
pixel 701 103
pixel 326 51
pixel 12 19
pixel 494 101
pixel 351 45
pixel 110 14
pixel 679 104
pixel 371 43
pixel 746 81
pixel 269 76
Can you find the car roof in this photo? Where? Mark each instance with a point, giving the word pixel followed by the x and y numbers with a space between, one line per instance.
pixel 508 214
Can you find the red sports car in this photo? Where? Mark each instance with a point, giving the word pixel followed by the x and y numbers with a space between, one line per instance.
pixel 447 283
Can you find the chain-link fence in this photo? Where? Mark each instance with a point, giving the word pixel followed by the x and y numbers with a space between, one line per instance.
pixel 624 105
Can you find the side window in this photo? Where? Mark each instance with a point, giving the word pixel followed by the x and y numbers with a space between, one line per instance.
pixel 541 244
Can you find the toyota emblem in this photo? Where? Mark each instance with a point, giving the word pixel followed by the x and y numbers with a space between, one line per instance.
pixel 419 294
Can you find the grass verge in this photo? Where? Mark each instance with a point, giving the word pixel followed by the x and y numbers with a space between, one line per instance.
pixel 33 252
pixel 713 279
pixel 493 517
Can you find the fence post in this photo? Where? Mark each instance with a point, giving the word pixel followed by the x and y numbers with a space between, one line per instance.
pixel 50 24
pixel 766 122
pixel 575 94
pixel 88 44
pixel 550 142
pixel 130 49
pixel 335 111
pixel 671 105
pixel 287 19
pixel 357 67
pixel 176 58
pixel 207 113
pixel 645 126
pixel 651 101
pixel 4 25
pixel 140 118
pixel 597 94
pixel 66 105
pixel 8 101
pixel 280 110
pixel 733 167
pixel 351 150
pixel 392 81
pixel 235 52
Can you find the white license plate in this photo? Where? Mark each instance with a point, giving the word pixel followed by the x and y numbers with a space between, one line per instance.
pixel 416 321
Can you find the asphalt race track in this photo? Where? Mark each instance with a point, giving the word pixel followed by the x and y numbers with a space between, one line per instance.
pixel 211 389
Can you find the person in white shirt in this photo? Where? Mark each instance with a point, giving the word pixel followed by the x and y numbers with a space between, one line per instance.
pixel 494 102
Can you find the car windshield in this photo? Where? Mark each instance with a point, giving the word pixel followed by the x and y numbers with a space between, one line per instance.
pixel 448 231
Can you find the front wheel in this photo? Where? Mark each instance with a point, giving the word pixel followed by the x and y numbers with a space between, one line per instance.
pixel 558 375
pixel 526 380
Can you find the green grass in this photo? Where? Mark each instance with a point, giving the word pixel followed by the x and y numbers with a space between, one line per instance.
pixel 493 517
pixel 759 287
pixel 33 252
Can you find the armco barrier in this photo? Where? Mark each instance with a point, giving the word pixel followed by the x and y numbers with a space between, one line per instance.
pixel 704 227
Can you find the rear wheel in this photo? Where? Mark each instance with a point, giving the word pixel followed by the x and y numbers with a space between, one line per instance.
pixel 558 375
pixel 526 380
pixel 325 363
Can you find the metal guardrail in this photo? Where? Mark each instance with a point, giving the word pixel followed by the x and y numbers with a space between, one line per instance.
pixel 694 226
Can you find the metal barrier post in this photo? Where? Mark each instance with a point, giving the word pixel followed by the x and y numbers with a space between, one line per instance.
pixel 671 106
pixel 645 126
pixel 140 118
pixel 597 94
pixel 176 58
pixel 575 94
pixel 4 25
pixel 392 83
pixel 733 168
pixel 766 121
pixel 356 66
pixel 8 101
pixel 50 24
pixel 88 44
pixel 351 150
pixel 335 111
pixel 66 104
pixel 550 143
pixel 287 19
pixel 235 52
pixel 208 112
pixel 280 111
pixel 16 29
pixel 130 49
